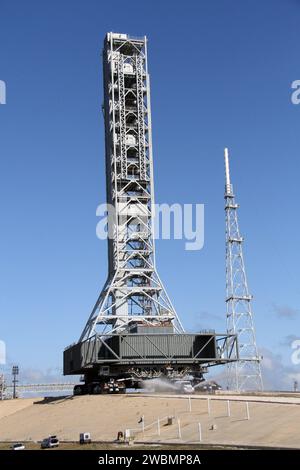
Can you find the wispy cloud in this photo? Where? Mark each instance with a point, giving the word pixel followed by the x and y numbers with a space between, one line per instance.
pixel 276 374
pixel 206 321
pixel 285 311
pixel 287 340
pixel 28 375
pixel 51 375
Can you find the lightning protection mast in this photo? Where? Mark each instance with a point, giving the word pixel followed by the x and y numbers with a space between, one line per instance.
pixel 245 374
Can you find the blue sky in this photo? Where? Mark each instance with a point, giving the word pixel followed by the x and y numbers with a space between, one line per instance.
pixel 221 74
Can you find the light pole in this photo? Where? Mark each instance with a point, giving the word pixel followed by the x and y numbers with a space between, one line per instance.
pixel 15 372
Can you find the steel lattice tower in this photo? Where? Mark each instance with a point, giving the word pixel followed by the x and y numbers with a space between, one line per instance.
pixel 245 374
pixel 133 292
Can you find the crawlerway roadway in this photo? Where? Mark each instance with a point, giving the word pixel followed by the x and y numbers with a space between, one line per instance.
pixel 264 420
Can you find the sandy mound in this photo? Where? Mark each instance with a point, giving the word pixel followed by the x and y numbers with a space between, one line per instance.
pixel 271 423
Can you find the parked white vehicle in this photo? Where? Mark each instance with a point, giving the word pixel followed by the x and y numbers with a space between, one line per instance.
pixel 49 442
pixel 18 446
pixel 85 438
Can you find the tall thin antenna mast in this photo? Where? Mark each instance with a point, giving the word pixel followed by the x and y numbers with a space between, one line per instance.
pixel 245 374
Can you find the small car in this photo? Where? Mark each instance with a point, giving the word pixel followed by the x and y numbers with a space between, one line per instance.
pixel 18 446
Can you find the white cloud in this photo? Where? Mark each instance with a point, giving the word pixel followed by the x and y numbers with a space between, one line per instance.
pixel 268 363
pixel 50 375
pixel 276 374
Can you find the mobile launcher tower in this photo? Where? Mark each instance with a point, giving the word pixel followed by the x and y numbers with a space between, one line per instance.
pixel 133 332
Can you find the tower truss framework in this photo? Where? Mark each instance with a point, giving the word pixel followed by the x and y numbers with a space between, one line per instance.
pixel 245 374
pixel 133 292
